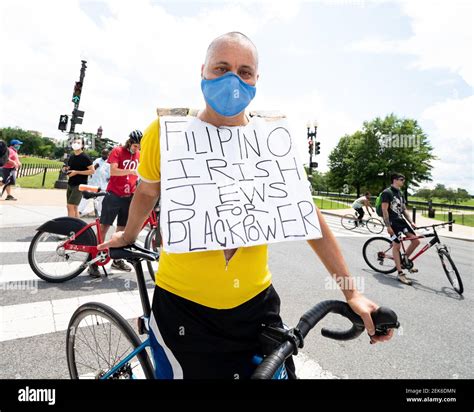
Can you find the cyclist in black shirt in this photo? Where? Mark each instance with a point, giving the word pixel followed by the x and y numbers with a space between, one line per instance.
pixel 79 167
pixel 397 219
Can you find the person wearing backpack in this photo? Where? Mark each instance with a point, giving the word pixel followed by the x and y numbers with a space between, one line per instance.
pixel 396 218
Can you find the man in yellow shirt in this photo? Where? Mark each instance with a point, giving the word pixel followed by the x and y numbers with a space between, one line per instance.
pixel 209 307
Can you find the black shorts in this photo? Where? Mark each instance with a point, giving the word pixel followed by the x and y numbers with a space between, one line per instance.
pixel 192 341
pixel 360 212
pixel 8 175
pixel 400 226
pixel 114 206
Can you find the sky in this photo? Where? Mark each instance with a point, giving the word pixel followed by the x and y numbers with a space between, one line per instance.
pixel 338 62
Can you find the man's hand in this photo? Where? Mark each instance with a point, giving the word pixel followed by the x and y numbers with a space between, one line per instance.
pixel 364 307
pixel 117 240
pixel 390 231
pixel 413 225
pixel 72 173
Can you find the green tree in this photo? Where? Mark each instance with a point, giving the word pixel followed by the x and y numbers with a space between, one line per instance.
pixel 366 159
pixel 425 193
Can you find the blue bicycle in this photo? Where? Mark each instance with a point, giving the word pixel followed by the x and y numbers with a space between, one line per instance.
pixel 101 344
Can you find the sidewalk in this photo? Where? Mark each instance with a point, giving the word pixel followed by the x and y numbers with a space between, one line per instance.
pixel 33 207
pixel 459 231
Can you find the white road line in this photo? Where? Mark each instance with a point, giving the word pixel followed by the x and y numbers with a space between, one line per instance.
pixel 39 318
pixel 307 368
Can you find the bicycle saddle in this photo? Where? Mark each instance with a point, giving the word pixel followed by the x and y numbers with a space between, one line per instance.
pixel 92 195
pixel 133 252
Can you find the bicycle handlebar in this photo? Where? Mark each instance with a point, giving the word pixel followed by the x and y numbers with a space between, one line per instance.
pixel 384 319
pixel 439 224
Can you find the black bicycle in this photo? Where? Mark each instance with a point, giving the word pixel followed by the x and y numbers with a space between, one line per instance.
pixel 101 344
pixel 378 254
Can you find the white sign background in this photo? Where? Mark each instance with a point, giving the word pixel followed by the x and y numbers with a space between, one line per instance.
pixel 227 187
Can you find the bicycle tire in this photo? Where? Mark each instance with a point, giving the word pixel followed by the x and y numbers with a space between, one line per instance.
pixel 112 316
pixel 460 287
pixel 374 225
pixel 152 242
pixel 32 260
pixel 348 221
pixel 372 264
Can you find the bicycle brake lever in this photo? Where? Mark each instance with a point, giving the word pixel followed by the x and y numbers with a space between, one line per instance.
pixel 384 319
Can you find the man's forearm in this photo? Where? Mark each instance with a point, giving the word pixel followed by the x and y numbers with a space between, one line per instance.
pixel 85 172
pixel 141 206
pixel 121 172
pixel 386 218
pixel 330 255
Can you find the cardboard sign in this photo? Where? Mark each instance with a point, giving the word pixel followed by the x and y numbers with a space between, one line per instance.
pixel 227 187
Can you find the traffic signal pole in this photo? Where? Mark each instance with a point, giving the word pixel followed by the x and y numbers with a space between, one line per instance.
pixel 77 100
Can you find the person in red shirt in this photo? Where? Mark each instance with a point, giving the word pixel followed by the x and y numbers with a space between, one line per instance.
pixel 122 184
pixel 9 169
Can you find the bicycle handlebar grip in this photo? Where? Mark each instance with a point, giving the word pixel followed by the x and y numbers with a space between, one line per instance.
pixel 383 318
pixel 272 362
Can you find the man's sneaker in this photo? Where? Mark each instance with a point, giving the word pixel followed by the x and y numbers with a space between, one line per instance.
pixel 403 278
pixel 94 271
pixel 413 270
pixel 10 197
pixel 121 265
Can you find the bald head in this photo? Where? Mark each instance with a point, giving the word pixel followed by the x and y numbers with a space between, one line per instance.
pixel 232 39
pixel 231 52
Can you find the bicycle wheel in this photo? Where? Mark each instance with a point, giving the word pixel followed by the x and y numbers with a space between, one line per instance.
pixel 377 252
pixel 153 242
pixel 375 225
pixel 451 271
pixel 349 222
pixel 98 338
pixel 53 263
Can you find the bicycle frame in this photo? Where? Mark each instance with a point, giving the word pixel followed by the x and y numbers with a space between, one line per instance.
pixel 68 245
pixel 143 327
pixel 429 245
pixel 143 322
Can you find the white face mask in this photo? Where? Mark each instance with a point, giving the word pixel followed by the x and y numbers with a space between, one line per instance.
pixel 76 146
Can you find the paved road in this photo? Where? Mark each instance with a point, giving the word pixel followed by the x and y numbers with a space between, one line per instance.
pixel 435 341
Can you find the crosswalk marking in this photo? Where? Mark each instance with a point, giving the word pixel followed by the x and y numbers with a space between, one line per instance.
pixel 38 318
pixel 25 320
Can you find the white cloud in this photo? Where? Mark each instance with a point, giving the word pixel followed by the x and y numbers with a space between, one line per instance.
pixel 453 142
pixel 442 37
pixel 139 57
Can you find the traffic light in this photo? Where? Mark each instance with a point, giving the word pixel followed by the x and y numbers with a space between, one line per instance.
pixel 317 148
pixel 310 146
pixel 76 96
pixel 63 122
pixel 77 116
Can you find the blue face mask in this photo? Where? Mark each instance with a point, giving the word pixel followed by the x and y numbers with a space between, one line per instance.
pixel 17 147
pixel 228 95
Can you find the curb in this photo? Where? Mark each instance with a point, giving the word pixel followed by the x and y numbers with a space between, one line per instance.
pixel 324 212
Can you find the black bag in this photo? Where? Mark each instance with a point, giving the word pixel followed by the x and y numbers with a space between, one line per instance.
pixel 3 153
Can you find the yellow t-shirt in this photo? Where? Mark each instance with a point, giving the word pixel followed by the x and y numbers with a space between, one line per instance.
pixel 204 277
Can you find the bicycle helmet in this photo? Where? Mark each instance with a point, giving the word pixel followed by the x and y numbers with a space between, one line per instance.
pixel 135 136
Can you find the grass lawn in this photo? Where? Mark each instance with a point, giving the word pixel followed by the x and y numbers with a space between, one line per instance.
pixel 469 202
pixel 325 203
pixel 36 180
pixel 39 161
pixel 468 219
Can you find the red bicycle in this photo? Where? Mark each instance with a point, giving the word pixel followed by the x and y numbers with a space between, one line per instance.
pixel 377 252
pixel 64 247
